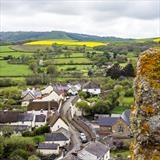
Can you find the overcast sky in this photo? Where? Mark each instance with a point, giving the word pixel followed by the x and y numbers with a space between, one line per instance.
pixel 120 18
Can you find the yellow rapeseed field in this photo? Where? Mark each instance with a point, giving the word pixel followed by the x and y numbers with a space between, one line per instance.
pixel 66 42
pixel 156 40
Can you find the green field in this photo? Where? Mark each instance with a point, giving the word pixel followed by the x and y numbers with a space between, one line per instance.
pixel 5 49
pixel 29 48
pixel 13 69
pixel 15 54
pixel 72 60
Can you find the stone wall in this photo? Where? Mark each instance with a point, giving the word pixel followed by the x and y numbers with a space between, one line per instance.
pixel 145 114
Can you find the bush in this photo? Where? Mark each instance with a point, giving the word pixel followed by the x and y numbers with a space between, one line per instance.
pixel 129 93
pixel 41 130
pixel 27 134
pixel 33 157
pixel 17 143
pixel 7 82
pixel 84 95
pixel 71 69
pixel 20 153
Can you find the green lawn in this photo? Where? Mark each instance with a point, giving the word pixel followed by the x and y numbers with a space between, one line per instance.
pixel 13 69
pixel 72 60
pixel 15 54
pixel 119 109
pixel 127 102
pixel 5 48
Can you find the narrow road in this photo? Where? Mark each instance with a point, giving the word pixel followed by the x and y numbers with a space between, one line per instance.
pixel 65 113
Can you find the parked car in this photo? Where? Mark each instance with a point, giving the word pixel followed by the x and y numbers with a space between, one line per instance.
pixel 83 137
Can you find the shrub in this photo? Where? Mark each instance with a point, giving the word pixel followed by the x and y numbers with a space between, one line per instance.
pixel 27 134
pixel 41 130
pixel 129 93
pixel 20 153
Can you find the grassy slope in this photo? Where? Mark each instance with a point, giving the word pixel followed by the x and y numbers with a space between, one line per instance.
pixel 15 54
pixel 5 49
pixel 13 69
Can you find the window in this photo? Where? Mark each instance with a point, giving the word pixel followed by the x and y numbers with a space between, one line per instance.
pixel 120 128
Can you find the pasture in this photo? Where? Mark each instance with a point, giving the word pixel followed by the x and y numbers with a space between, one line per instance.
pixel 72 60
pixel 13 69
pixel 15 54
pixel 5 49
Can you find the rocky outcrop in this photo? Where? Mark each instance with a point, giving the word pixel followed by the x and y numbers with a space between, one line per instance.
pixel 145 119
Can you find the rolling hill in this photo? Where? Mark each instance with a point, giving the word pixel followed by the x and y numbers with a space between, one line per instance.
pixel 20 36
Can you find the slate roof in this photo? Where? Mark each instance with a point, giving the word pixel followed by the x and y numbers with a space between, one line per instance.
pixel 33 92
pixel 55 137
pixel 40 118
pixel 52 120
pixel 8 116
pixel 91 85
pixel 126 116
pixel 59 88
pixel 107 121
pixel 53 96
pixel 11 116
pixel 47 146
pixel 16 128
pixel 25 117
pixel 95 148
pixel 64 131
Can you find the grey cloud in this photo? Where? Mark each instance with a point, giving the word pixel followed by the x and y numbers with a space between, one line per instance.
pixel 37 6
pixel 140 9
pixel 129 18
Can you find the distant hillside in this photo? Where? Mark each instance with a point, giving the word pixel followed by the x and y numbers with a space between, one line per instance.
pixel 20 36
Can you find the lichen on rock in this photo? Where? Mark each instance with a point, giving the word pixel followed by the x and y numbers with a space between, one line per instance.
pixel 145 117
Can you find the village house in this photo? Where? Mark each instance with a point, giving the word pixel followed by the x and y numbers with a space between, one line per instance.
pixel 47 90
pixel 94 151
pixel 48 148
pixel 17 121
pixel 73 89
pixel 92 88
pixel 55 91
pixel 56 122
pixel 114 126
pixel 74 110
pixel 62 88
pixel 57 138
pixel 29 95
